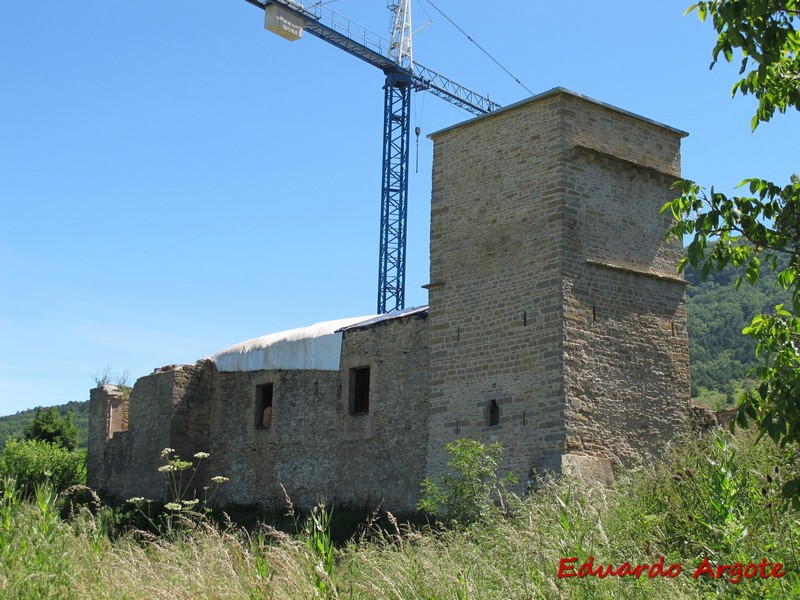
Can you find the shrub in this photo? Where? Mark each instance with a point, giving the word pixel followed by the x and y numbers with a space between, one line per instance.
pixel 466 494
pixel 34 462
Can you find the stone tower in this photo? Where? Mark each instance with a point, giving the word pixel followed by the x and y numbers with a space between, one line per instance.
pixel 557 322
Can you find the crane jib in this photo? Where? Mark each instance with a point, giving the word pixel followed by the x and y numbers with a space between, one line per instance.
pixel 373 49
pixel 289 18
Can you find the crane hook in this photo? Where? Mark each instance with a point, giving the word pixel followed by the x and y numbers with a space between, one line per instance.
pixel 417 131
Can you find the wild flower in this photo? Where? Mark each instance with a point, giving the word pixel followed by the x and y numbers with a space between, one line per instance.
pixel 179 487
pixel 180 465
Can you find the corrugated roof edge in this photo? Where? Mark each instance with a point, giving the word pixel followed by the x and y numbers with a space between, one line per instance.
pixel 553 92
pixel 420 311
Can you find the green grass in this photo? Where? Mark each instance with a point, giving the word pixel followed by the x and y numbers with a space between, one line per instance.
pixel 716 498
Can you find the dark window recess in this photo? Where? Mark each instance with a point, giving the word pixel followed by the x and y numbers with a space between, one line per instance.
pixel 264 406
pixel 359 391
pixel 494 414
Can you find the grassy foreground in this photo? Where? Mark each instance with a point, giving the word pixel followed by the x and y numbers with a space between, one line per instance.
pixel 717 498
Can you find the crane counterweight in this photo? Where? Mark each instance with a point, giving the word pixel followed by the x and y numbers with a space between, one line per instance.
pixel 286 24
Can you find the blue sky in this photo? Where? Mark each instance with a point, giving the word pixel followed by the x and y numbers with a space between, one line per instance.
pixel 175 179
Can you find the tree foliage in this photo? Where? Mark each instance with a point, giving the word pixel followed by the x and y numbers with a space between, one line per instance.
pixel 49 426
pixel 764 32
pixel 754 230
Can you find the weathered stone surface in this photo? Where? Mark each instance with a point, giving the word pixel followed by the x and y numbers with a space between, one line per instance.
pixel 589 469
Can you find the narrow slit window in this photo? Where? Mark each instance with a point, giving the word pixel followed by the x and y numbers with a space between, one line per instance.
pixel 494 414
pixel 264 406
pixel 359 391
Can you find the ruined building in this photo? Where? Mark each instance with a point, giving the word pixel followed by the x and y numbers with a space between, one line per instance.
pixel 556 325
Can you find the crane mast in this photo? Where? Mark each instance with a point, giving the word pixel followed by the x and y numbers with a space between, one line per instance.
pixel 289 18
pixel 400 47
pixel 394 180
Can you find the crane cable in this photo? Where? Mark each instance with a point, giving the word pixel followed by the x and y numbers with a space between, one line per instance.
pixel 480 47
pixel 418 129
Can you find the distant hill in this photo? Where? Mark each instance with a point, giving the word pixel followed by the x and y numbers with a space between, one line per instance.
pixel 721 356
pixel 12 426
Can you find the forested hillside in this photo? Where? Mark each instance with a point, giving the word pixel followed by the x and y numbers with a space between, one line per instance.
pixel 718 311
pixel 12 426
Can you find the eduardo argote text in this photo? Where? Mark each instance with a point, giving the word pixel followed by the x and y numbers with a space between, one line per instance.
pixel 734 573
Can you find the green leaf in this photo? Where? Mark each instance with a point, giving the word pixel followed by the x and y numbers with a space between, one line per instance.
pixel 786 279
pixel 782 312
pixel 690 9
pixel 791 488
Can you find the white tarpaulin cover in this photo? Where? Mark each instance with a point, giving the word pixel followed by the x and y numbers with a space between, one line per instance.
pixel 317 346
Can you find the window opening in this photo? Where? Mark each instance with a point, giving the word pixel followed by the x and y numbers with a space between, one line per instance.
pixel 264 406
pixel 359 391
pixel 494 414
pixel 116 417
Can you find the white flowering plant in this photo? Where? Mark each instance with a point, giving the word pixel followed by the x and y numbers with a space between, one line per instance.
pixel 175 472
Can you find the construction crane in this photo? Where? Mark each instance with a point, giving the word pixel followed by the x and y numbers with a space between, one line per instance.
pixel 289 19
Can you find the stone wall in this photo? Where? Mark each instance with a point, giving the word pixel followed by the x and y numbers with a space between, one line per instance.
pixel 166 409
pixel 626 352
pixel 382 453
pixel 495 287
pixel 98 457
pixel 297 447
pixel 312 446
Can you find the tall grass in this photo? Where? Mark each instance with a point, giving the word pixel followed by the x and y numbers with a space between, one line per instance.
pixel 715 498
